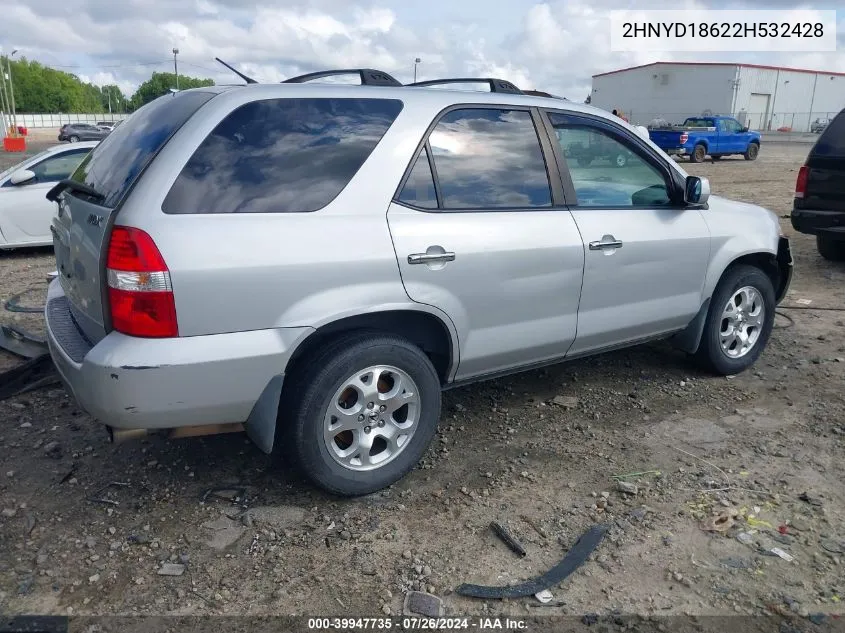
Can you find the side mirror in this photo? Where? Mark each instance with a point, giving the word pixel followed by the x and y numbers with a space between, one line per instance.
pixel 696 191
pixel 22 177
pixel 745 129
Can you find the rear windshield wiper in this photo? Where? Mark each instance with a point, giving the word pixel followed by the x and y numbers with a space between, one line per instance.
pixel 73 185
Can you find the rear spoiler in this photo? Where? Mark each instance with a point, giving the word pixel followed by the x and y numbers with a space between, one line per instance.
pixel 67 183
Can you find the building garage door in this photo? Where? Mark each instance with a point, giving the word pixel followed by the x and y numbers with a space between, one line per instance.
pixel 758 111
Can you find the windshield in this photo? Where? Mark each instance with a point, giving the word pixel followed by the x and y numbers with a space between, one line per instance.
pixel 112 168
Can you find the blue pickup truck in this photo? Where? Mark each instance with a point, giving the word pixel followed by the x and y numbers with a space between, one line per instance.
pixel 714 135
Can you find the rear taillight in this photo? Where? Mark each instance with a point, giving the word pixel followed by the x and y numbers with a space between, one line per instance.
pixel 801 181
pixel 140 293
pixel 684 137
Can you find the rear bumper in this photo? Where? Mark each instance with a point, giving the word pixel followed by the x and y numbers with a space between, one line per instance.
pixel 129 382
pixel 815 222
pixel 676 151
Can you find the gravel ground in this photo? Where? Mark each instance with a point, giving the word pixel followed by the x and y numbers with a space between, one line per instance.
pixel 763 450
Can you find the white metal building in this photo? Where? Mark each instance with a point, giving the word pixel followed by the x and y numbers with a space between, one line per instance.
pixel 762 97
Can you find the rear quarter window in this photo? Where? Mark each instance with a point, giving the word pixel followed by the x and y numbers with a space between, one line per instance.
pixel 832 140
pixel 281 156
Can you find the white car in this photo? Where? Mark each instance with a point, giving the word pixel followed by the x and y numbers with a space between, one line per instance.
pixel 25 212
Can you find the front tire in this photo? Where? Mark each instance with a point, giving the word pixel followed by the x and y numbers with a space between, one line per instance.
pixel 74 139
pixel 752 151
pixel 739 321
pixel 361 412
pixel 833 250
pixel 621 160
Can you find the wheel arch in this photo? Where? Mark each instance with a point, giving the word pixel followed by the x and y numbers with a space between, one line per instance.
pixel 434 334
pixel 775 266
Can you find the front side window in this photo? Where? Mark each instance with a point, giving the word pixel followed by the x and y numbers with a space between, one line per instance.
pixel 605 170
pixel 489 158
pixel 58 168
pixel 281 156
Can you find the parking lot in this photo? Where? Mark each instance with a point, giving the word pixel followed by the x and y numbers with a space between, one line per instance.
pixel 765 449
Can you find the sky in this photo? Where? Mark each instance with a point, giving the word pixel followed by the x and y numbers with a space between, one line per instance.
pixel 554 46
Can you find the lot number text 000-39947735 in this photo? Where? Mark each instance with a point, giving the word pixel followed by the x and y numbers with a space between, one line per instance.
pixel 729 30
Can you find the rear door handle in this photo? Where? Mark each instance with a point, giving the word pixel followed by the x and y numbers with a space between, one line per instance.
pixel 429 258
pixel 608 241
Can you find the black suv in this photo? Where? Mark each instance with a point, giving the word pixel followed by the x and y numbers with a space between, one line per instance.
pixel 819 207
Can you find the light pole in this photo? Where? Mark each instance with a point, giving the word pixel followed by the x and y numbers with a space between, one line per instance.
pixel 176 67
pixel 4 101
pixel 417 60
pixel 12 92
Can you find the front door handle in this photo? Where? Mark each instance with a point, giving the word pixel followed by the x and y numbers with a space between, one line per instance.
pixel 608 241
pixel 430 258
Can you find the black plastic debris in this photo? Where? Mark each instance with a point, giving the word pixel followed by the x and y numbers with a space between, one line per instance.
pixel 34 374
pixel 572 561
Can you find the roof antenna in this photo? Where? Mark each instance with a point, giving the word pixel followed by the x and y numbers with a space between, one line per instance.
pixel 249 80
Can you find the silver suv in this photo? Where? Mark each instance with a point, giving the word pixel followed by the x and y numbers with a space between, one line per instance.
pixel 314 263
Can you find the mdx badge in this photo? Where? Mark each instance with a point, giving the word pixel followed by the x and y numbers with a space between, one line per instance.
pixel 94 219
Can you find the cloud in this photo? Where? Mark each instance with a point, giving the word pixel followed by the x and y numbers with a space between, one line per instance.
pixel 554 45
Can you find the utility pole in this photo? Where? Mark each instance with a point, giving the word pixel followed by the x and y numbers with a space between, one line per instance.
pixel 176 67
pixel 417 60
pixel 108 92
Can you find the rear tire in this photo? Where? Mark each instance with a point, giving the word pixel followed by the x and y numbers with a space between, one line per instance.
pixel 743 304
pixel 74 139
pixel 341 443
pixel 752 151
pixel 698 154
pixel 621 160
pixel 833 250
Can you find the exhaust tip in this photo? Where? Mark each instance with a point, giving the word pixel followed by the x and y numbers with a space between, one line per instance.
pixel 119 436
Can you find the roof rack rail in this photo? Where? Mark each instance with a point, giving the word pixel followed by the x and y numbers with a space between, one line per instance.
pixel 540 93
pixel 249 80
pixel 369 77
pixel 496 85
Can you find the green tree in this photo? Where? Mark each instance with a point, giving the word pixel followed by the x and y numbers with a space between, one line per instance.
pixel 160 83
pixel 112 99
pixel 40 89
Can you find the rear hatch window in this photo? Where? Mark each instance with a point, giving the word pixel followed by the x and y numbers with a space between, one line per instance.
pixel 825 190
pixel 114 165
pixel 832 140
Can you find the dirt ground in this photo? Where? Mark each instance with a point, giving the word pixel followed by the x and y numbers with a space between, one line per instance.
pixel 766 446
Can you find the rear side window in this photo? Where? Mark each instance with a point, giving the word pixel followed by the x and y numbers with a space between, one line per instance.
pixel 832 140
pixel 489 158
pixel 281 156
pixel 114 165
